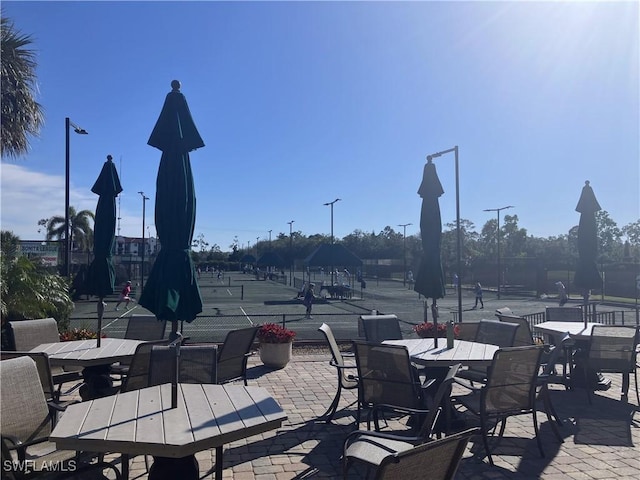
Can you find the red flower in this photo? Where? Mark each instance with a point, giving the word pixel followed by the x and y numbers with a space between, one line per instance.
pixel 425 330
pixel 79 334
pixel 274 333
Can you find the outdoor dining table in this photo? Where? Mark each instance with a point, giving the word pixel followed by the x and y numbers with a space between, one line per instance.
pixel 95 360
pixel 142 422
pixel 580 333
pixel 424 352
pixel 576 330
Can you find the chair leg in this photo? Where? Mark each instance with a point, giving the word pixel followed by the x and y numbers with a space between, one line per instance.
pixel 537 432
pixel 552 415
pixel 485 433
pixel 328 415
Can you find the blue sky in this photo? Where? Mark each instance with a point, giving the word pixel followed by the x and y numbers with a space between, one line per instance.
pixel 300 103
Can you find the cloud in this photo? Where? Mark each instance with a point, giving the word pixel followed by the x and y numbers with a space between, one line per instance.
pixel 27 196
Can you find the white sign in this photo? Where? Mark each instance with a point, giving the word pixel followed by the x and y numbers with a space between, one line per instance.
pixel 47 252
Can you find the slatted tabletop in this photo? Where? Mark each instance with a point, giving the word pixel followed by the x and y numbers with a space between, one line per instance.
pixel 576 330
pixel 143 422
pixel 423 351
pixel 85 353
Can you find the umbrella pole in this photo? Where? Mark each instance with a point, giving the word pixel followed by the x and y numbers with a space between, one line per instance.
pixel 101 306
pixel 434 314
pixel 585 307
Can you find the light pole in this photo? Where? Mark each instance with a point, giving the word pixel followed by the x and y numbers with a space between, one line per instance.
pixel 404 251
pixel 498 210
pixel 291 252
pixel 257 238
pixel 144 202
pixel 270 239
pixel 331 205
pixel 458 231
pixel 67 237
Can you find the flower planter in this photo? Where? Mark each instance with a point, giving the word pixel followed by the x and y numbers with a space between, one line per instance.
pixel 276 355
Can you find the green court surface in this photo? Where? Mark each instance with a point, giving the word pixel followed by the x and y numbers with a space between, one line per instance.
pixel 239 300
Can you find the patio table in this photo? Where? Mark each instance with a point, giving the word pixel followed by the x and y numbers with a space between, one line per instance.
pixel 581 333
pixel 142 422
pixel 422 351
pixel 95 360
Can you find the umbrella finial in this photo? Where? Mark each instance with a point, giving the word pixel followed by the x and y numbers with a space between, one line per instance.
pixel 586 183
pixel 109 158
pixel 429 159
pixel 175 85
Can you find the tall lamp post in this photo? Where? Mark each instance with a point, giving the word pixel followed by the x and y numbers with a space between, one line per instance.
pixel 144 202
pixel 458 231
pixel 404 251
pixel 67 237
pixel 498 210
pixel 291 252
pixel 331 205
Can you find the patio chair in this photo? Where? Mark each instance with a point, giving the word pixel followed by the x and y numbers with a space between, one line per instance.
pixel 27 334
pixel 510 390
pixel 138 375
pixel 25 426
pixel 371 448
pixel 197 364
pixel 234 354
pixel 51 394
pixel 611 349
pixel 145 327
pixel 435 460
pixel 523 333
pixel 378 328
pixel 387 380
pixel 140 327
pixel 346 380
pixel 493 332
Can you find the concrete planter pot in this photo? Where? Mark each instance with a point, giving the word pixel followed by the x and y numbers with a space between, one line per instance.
pixel 276 355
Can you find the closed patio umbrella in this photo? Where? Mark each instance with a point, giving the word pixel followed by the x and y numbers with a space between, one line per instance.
pixel 430 279
pixel 172 291
pixel 101 274
pixel 587 275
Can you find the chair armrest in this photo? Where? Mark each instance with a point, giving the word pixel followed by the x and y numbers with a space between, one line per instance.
pixel 333 363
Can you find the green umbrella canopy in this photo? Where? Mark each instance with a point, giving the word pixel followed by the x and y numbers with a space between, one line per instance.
pixel 587 275
pixel 101 275
pixel 430 278
pixel 171 291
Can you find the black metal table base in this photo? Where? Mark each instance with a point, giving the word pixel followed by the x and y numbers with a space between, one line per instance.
pixel 185 468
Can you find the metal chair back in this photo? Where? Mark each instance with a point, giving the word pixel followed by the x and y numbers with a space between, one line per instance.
pixel 197 364
pixel 145 328
pixel 28 334
pixel 378 328
pixel 138 373
pixel 436 460
pixel 523 333
pixel 495 332
pixel 234 353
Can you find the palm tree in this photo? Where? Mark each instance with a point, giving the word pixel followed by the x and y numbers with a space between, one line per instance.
pixel 81 231
pixel 22 116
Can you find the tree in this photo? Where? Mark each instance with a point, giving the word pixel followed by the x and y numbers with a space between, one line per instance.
pixel 22 116
pixel 632 232
pixel 79 225
pixel 609 235
pixel 27 289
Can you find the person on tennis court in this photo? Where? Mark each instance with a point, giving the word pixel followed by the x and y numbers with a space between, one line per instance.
pixel 308 299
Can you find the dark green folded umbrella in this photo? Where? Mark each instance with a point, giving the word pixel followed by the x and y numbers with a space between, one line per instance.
pixel 101 274
pixel 171 291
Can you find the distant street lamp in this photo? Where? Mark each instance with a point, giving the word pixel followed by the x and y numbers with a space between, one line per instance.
pixel 458 230
pixel 404 251
pixel 498 210
pixel 144 201
pixel 67 237
pixel 291 252
pixel 331 205
pixel 270 239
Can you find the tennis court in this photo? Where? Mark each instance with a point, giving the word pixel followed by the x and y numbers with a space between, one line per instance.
pixel 238 300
